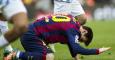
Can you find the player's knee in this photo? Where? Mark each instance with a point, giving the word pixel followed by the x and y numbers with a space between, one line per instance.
pixel 23 28
pixel 20 21
pixel 82 19
pixel 20 29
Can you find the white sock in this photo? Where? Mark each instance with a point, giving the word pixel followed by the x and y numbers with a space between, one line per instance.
pixel 3 29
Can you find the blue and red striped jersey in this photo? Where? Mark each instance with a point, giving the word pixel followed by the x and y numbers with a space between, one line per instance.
pixel 53 31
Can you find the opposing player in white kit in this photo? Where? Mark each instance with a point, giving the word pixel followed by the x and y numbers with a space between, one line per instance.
pixel 72 7
pixel 14 12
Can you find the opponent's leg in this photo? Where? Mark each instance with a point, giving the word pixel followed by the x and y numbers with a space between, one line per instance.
pixel 3 30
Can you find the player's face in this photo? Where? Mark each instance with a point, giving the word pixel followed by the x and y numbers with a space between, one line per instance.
pixel 83 33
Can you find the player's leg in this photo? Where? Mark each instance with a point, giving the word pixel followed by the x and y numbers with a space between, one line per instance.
pixel 16 13
pixel 73 8
pixel 25 56
pixel 30 55
pixel 35 48
pixel 3 29
pixel 81 18
pixel 33 51
pixel 78 12
pixel 19 27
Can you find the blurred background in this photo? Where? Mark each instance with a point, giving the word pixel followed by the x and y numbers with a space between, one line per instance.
pixel 95 9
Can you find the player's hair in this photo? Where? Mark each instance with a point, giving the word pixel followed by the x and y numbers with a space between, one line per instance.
pixel 89 35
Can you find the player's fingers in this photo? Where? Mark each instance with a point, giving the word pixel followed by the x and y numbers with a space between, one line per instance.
pixel 108 48
pixel 104 49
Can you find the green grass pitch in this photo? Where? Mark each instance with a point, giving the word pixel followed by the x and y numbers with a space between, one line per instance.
pixel 104 35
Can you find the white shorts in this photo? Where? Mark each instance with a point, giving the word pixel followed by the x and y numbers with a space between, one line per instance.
pixel 11 7
pixel 72 7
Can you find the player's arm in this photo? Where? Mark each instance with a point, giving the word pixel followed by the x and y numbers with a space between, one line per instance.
pixel 75 48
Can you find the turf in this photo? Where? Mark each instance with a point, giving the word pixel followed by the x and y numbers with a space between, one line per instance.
pixel 104 35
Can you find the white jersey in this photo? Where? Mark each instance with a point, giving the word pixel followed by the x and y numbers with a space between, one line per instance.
pixel 11 7
pixel 72 7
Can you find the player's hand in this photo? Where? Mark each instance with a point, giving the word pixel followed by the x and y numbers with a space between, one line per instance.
pixel 103 49
pixel 77 57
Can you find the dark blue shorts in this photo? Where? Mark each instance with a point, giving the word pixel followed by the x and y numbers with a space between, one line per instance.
pixel 33 44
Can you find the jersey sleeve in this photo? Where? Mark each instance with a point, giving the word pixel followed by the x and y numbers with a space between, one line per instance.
pixel 75 48
pixel 13 7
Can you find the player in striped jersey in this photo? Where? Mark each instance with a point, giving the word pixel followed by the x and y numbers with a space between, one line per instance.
pixel 55 29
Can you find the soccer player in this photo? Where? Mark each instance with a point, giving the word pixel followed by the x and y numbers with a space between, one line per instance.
pixel 55 29
pixel 72 7
pixel 14 12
